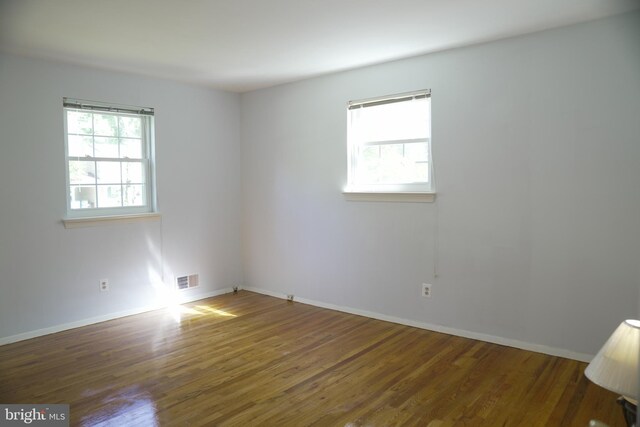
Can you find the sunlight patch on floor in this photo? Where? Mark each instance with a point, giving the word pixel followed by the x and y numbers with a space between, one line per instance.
pixel 178 311
pixel 132 406
pixel 215 311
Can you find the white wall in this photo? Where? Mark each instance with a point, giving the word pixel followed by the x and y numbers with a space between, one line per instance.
pixel 48 274
pixel 535 233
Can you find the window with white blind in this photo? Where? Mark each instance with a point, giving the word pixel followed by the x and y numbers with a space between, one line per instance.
pixel 389 144
pixel 108 158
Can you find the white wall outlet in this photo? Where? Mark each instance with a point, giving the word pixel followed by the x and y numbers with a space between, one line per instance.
pixel 426 290
pixel 290 297
pixel 104 285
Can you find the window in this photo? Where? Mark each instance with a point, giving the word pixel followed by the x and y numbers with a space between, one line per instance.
pixel 108 157
pixel 389 144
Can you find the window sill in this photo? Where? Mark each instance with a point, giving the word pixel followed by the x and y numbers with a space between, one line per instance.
pixel 375 196
pixel 113 219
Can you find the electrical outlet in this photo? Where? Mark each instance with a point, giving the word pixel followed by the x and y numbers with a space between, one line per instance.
pixel 104 285
pixel 290 297
pixel 235 289
pixel 426 290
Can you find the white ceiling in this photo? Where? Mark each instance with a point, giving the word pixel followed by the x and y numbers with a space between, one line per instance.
pixel 241 45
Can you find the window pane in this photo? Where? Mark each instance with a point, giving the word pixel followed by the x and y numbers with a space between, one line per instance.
pixel 82 172
pixel 106 147
pixel 105 124
pixel 368 164
pixel 419 172
pixel 131 148
pixel 390 122
pixel 417 151
pixel 78 122
pixel 109 173
pixel 130 126
pixel 109 196
pixel 393 165
pixel 370 153
pixel 80 146
pixel 132 173
pixel 82 197
pixel 392 152
pixel 134 195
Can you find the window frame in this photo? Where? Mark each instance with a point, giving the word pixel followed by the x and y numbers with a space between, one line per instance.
pixel 147 160
pixel 406 191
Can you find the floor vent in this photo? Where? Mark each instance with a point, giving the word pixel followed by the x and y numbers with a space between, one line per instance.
pixel 186 282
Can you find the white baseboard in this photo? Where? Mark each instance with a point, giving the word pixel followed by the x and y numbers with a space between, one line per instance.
pixel 422 325
pixel 105 317
pixel 538 348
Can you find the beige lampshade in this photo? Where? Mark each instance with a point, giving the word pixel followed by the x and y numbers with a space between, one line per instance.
pixel 615 367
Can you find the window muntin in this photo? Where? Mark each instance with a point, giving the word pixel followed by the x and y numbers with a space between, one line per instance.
pixel 108 157
pixel 389 144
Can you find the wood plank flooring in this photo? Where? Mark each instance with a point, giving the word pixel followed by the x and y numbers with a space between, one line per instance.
pixel 252 360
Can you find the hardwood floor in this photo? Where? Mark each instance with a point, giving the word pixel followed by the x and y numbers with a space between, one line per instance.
pixel 253 360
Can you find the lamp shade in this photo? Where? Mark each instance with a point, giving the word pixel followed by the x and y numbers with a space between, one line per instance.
pixel 615 367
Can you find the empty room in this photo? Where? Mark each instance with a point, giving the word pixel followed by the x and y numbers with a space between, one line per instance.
pixel 328 213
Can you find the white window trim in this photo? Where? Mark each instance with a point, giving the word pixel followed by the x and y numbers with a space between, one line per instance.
pixel 413 192
pixel 112 219
pixel 83 217
pixel 379 196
